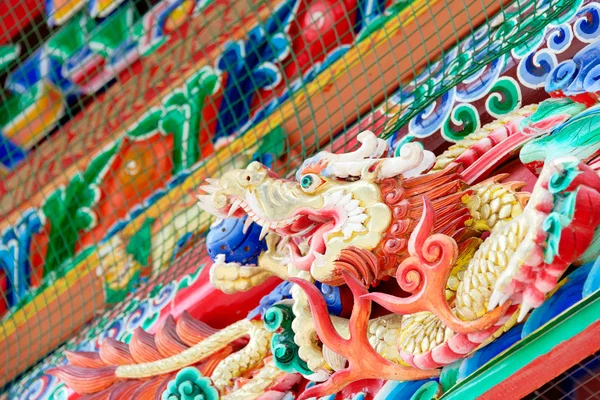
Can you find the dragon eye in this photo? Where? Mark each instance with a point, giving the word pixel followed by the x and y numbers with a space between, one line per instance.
pixel 310 182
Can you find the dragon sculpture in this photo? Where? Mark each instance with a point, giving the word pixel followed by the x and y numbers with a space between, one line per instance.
pixel 436 257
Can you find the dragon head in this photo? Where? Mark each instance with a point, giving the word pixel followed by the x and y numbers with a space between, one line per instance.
pixel 333 204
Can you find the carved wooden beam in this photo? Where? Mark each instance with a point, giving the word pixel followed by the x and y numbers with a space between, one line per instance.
pixel 137 89
pixel 358 72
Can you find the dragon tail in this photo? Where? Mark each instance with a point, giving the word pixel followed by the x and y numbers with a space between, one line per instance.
pixel 104 374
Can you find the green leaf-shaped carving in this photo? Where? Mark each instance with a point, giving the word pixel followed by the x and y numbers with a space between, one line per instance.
pixel 181 115
pixel 114 31
pixel 69 210
pixel 140 243
pixel 71 37
pixel 579 137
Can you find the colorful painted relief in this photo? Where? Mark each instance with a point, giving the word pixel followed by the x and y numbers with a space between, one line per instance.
pixel 157 149
pixel 85 199
pixel 60 11
pixel 247 81
pixel 169 59
pixel 165 133
pixel 459 238
pixel 181 298
pixel 534 229
pixel 81 58
pixel 94 210
pixel 471 253
pixel 508 83
pixel 185 154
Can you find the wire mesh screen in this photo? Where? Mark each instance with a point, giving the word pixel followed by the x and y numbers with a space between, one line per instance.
pixel 114 111
pixel 578 383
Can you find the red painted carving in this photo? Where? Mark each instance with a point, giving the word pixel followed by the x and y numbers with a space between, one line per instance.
pixel 363 361
pixel 404 197
pixel 424 274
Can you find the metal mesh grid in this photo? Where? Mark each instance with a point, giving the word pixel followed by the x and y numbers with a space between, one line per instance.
pixel 580 382
pixel 77 211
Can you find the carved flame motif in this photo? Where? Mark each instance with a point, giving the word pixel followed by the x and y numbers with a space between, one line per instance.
pixel 363 361
pixel 405 198
pixel 424 274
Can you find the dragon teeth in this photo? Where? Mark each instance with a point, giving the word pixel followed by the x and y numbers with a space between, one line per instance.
pixel 346 200
pixel 349 228
pixel 356 227
pixel 358 218
pixel 234 207
pixel 264 231
pixel 525 308
pixel 347 232
pixel 356 211
pixel 351 205
pixel 305 231
pixel 333 199
pixel 282 244
pixel 247 224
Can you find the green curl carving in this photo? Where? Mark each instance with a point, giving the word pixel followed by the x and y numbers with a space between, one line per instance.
pixel 560 181
pixel 556 222
pixel 563 209
pixel 181 116
pixel 190 384
pixel 278 318
pixel 504 98
pixel 464 115
pixel 423 92
pixel 456 68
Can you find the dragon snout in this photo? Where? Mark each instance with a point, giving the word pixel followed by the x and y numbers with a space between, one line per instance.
pixel 221 193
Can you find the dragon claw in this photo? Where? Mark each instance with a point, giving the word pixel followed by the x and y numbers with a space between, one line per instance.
pixel 363 361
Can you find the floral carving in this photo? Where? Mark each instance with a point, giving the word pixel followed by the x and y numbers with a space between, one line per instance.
pixel 190 384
